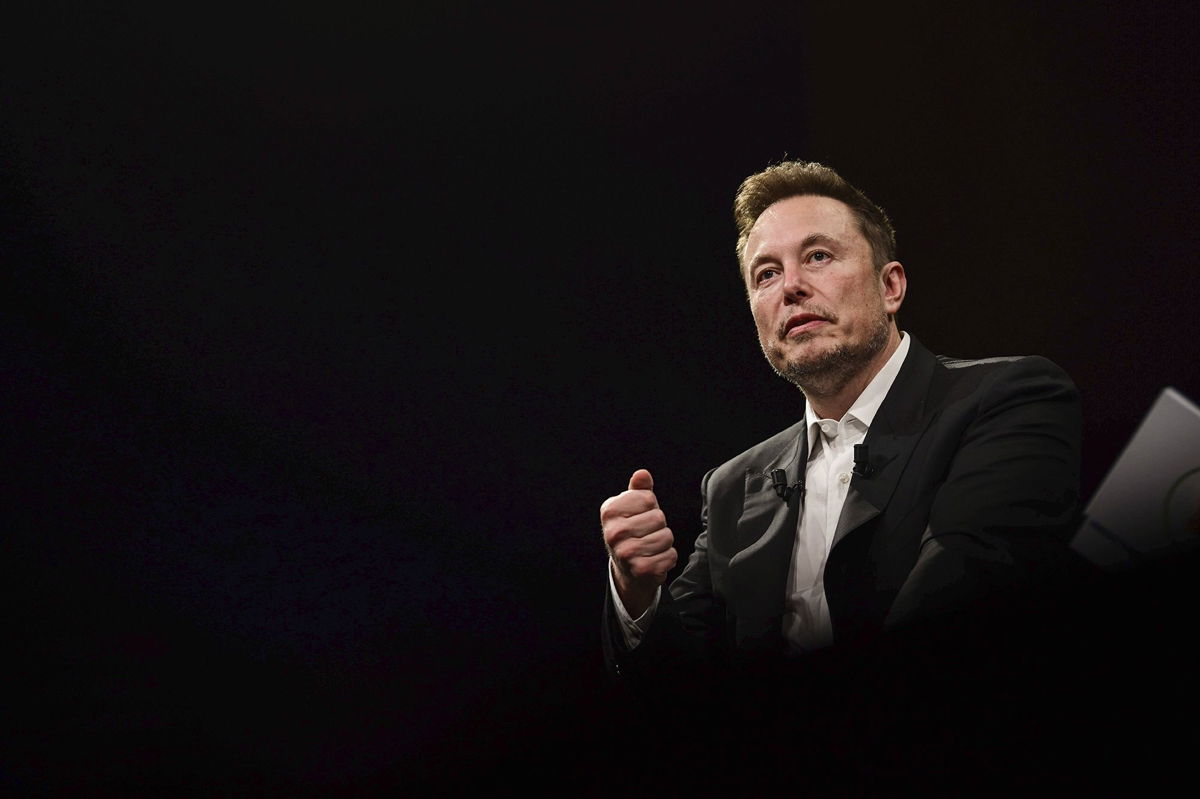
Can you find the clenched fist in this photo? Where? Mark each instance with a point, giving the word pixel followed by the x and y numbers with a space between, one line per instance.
pixel 638 541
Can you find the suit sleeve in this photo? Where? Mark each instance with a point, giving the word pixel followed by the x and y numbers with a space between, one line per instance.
pixel 1000 520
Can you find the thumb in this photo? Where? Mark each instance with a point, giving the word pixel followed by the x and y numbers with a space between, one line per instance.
pixel 641 480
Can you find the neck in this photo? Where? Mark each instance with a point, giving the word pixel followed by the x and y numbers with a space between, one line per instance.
pixel 831 399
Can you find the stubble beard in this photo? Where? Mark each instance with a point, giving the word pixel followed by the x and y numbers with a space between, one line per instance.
pixel 826 372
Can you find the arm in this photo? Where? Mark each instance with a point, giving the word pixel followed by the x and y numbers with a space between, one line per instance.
pixel 683 623
pixel 1002 516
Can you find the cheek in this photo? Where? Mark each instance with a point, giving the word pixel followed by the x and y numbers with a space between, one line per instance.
pixel 760 315
pixel 864 301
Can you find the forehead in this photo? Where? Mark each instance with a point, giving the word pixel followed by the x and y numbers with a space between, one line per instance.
pixel 787 223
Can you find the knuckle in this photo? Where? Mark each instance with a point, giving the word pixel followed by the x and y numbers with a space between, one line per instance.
pixel 640 568
pixel 629 555
pixel 615 529
pixel 607 510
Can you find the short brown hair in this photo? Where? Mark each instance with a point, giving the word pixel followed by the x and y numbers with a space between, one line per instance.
pixel 793 178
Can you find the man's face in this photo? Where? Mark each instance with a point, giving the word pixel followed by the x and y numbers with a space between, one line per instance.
pixel 820 307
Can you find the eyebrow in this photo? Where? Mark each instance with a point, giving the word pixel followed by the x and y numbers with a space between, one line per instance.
pixel 809 240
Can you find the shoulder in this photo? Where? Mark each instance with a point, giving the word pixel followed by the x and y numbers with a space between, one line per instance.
pixel 932 381
pixel 1027 386
pixel 1002 371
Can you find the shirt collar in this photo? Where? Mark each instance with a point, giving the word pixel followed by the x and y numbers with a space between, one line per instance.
pixel 867 405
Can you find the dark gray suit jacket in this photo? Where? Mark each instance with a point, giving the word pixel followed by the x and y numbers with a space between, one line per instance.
pixel 974 492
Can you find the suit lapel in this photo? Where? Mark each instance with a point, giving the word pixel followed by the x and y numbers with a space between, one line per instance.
pixel 894 432
pixel 766 533
pixel 756 578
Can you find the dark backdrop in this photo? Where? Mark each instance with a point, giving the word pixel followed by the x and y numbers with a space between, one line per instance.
pixel 328 329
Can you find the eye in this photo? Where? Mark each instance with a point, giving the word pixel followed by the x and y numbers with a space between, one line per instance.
pixel 820 257
pixel 765 274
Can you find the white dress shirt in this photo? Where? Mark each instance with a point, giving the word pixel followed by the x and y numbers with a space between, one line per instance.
pixel 806 621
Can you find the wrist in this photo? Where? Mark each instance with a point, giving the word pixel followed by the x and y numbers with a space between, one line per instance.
pixel 637 596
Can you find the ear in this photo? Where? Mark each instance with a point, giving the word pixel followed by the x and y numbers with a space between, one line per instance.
pixel 893 285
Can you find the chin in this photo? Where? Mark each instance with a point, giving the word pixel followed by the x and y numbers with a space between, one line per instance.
pixel 796 363
pixel 807 351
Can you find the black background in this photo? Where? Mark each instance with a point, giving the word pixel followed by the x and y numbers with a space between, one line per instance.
pixel 329 328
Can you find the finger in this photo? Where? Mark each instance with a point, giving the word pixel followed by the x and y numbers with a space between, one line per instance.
pixel 627 503
pixel 634 525
pixel 641 480
pixel 642 524
pixel 645 547
pixel 655 567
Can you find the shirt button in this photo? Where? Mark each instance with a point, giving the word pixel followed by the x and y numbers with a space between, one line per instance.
pixel 845 478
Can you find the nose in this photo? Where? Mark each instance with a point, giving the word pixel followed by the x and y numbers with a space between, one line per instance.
pixel 795 283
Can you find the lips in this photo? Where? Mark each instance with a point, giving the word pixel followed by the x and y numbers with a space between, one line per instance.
pixel 802 323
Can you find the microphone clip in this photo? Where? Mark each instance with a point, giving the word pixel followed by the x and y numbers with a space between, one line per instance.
pixel 862 461
pixel 785 491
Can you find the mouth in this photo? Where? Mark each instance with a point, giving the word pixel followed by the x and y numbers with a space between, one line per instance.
pixel 802 323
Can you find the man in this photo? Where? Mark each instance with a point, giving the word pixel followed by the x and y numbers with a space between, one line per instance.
pixel 914 487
